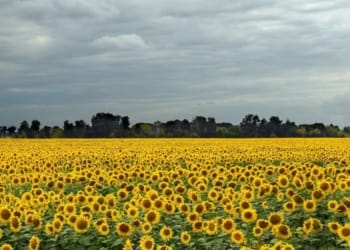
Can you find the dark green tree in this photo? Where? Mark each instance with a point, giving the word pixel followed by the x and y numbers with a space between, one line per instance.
pixel 24 130
pixel 104 125
pixel 199 126
pixel 11 130
pixel 249 125
pixel 3 130
pixel 68 129
pixel 125 123
pixel 45 132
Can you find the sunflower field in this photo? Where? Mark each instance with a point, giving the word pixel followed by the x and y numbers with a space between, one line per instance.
pixel 100 194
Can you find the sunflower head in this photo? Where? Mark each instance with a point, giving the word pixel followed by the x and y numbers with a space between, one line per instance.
pixel 185 237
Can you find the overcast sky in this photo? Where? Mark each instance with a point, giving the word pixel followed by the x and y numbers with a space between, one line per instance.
pixel 161 60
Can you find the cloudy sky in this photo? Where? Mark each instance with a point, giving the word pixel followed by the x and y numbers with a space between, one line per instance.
pixel 160 60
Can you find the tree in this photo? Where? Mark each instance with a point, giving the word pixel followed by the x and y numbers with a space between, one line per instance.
pixel 11 130
pixel 125 123
pixel 347 130
pixel 68 129
pixel 199 125
pixel 3 130
pixel 35 126
pixel 24 130
pixel 211 127
pixel 104 125
pixel 249 125
pixel 274 125
pixel 158 131
pixel 45 132
pixel 57 132
pixel 80 127
pixel 333 131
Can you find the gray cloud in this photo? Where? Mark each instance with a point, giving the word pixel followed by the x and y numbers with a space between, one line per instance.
pixel 159 60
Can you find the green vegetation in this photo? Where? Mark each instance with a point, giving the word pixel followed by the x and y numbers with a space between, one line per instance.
pixel 107 125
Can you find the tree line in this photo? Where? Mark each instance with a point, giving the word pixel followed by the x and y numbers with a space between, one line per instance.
pixel 108 125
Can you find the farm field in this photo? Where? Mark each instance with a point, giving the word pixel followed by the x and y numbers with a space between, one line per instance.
pixel 100 194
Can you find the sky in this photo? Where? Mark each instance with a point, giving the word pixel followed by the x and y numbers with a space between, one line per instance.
pixel 163 60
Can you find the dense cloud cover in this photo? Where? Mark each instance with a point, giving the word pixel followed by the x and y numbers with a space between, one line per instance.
pixel 161 60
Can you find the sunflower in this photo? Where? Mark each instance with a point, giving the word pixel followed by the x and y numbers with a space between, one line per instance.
pixel 310 185
pixel 237 237
pixel 265 205
pixel 123 194
pixel 69 209
pixel 110 201
pixel 257 231
pixel 199 208
pixel 133 212
pixel 5 215
pixel 197 226
pixel 257 182
pixel 193 196
pixel 282 181
pixel 71 220
pixel 166 233
pixel 185 237
pixel 263 224
pixel 103 229
pixel 298 200
pixel 167 192
pixel 309 206
pixel 34 243
pixel 281 232
pixel 289 206
pixel 152 216
pixel 123 229
pixel 244 204
pixel 184 208
pixel 213 195
pixel 333 227
pixel 308 226
pixel 81 224
pixel 317 225
pixel 180 189
pixel 228 208
pixel 49 230
pixel 228 225
pixel 264 247
pixel 6 246
pixel 211 228
pixel 276 218
pixel 288 246
pixel 146 204
pixel 95 207
pixel 157 204
pixel 15 224
pixel 277 246
pixel 169 208
pixel 36 222
pixel 57 225
pixel 341 209
pixel 127 245
pixel 192 217
pixel 298 183
pixel 164 247
pixel 344 232
pixel 324 186
pixel 146 243
pixel 317 195
pixel 146 227
pixel 249 215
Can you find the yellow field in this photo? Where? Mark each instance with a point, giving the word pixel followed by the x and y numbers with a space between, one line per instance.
pixel 175 194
